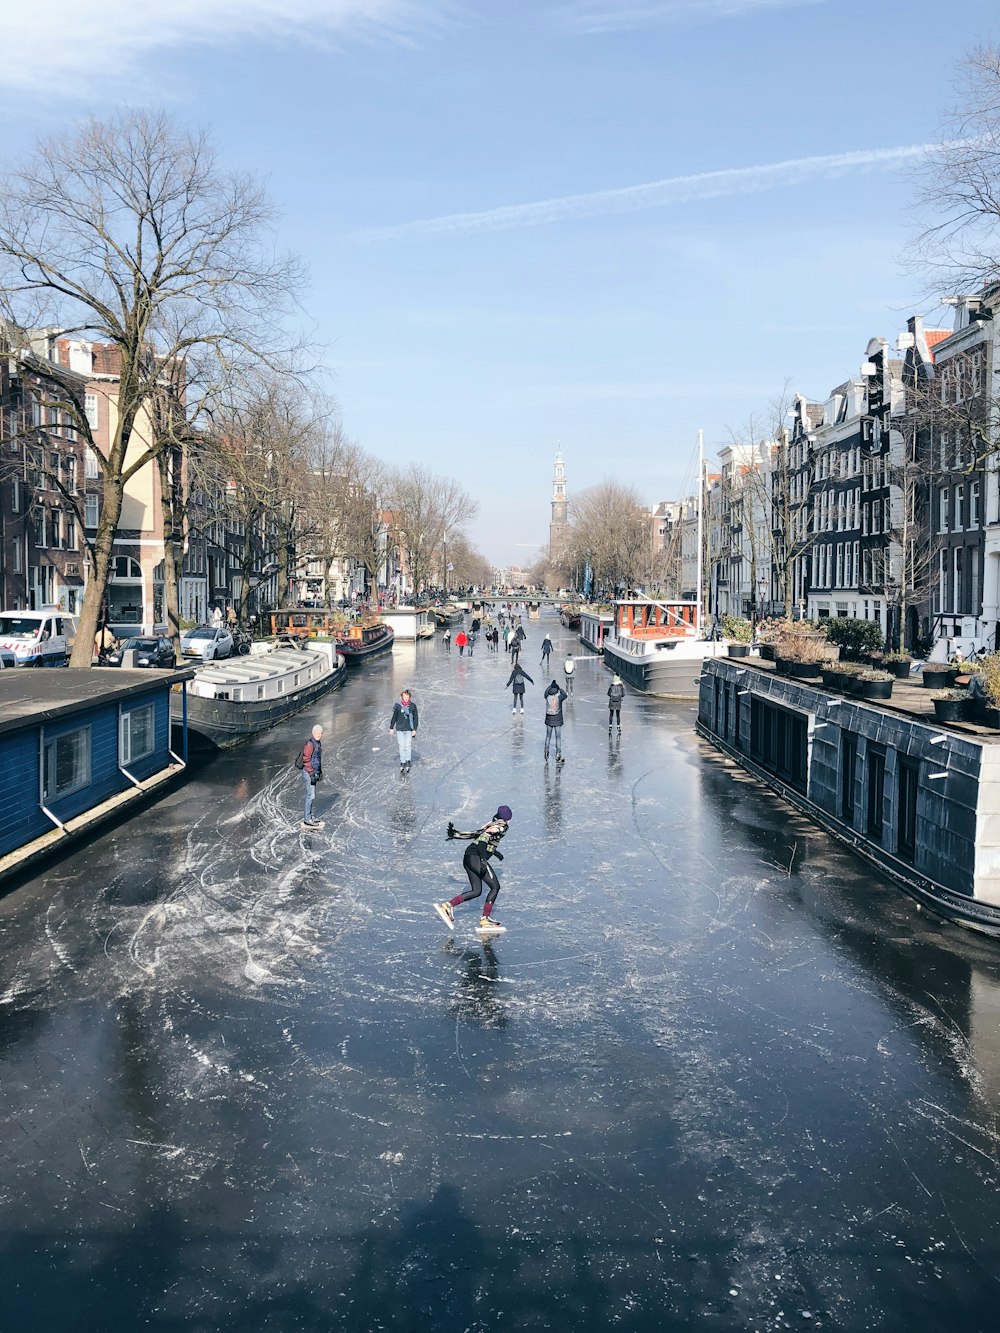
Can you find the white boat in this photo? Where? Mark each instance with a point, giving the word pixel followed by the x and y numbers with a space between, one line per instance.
pixel 595 626
pixel 410 622
pixel 655 646
pixel 230 701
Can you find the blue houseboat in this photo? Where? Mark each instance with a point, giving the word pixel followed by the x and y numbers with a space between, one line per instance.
pixel 78 748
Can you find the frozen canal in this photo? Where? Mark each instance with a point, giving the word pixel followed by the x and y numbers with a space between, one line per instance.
pixel 714 1075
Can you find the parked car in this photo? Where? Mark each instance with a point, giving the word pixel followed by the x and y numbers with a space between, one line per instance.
pixel 207 642
pixel 7 658
pixel 150 652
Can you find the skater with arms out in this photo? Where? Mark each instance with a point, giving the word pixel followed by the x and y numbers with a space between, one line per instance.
pixel 483 844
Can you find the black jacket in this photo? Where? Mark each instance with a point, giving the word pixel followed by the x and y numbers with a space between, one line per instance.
pixel 554 697
pixel 403 719
pixel 518 676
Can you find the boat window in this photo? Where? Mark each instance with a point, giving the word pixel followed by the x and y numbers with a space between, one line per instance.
pixel 237 696
pixel 296 682
pixel 136 734
pixel 260 691
pixel 66 764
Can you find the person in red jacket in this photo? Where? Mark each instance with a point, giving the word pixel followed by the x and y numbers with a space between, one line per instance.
pixel 461 639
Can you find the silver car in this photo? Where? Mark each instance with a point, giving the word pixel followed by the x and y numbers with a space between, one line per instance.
pixel 207 643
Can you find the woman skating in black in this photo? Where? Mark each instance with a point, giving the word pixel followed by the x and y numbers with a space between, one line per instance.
pixel 516 681
pixel 483 845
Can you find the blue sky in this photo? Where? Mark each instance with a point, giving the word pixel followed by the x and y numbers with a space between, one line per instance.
pixel 571 224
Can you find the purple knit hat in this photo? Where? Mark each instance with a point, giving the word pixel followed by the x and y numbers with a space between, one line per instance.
pixel 504 812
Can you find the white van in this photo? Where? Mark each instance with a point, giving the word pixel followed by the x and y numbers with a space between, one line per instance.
pixel 38 638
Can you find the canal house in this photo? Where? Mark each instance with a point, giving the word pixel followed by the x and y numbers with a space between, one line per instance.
pixel 78 748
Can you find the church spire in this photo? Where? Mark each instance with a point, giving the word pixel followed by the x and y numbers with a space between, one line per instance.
pixel 558 523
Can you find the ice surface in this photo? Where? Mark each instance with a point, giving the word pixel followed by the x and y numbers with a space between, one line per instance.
pixel 714 1073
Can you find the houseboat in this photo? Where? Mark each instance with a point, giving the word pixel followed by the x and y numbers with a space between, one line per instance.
pixel 230 701
pixel 355 642
pixel 410 623
pixel 361 642
pixel 917 798
pixel 595 626
pixel 655 646
pixel 79 748
pixel 447 615
pixel 570 616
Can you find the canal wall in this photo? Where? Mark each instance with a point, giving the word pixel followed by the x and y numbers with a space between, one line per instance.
pixel 919 800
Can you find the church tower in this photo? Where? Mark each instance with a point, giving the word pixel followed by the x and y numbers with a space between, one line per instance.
pixel 558 524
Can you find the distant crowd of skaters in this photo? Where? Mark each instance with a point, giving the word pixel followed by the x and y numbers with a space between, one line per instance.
pixel 404 722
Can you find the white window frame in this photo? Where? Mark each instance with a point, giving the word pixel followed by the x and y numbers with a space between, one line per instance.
pixel 127 753
pixel 50 765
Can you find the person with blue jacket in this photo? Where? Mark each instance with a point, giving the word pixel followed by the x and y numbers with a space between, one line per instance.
pixel 403 725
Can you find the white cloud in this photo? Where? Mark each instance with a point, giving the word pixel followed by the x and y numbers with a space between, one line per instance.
pixel 607 16
pixel 65 48
pixel 654 194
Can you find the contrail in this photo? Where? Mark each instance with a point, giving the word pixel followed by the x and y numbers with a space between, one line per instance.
pixel 653 194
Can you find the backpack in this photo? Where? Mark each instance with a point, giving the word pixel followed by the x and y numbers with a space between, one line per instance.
pixel 552 704
pixel 300 759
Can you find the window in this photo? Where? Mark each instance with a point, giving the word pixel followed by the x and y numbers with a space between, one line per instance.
pixel 906 814
pixel 90 467
pixel 15 496
pixel 848 774
pixel 91 511
pixel 17 557
pixel 92 412
pixel 65 764
pixel 69 465
pixel 958 514
pixel 974 504
pixel 70 532
pixel 779 741
pixel 943 509
pixel 136 734
pixel 875 793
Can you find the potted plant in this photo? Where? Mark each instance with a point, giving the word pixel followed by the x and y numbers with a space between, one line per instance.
pixel 846 676
pixel 855 637
pixel 952 705
pixel 768 632
pixel 988 686
pixel 938 675
pixel 898 665
pixel 739 632
pixel 874 685
pixel 801 652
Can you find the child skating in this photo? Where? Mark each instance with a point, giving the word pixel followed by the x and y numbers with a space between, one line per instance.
pixel 483 844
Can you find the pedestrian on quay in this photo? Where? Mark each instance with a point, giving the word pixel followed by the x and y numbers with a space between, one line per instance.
pixel 312 772
pixel 569 667
pixel 461 639
pixel 104 643
pixel 217 617
pixel 483 844
pixel 554 697
pixel 515 681
pixel 230 618
pixel 616 693
pixel 546 651
pixel 403 725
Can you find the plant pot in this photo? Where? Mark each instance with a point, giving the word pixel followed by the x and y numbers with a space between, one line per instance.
pixel 875 689
pixel 832 678
pixel 989 717
pixel 800 670
pixel 901 670
pixel 766 651
pixel 939 678
pixel 738 649
pixel 953 710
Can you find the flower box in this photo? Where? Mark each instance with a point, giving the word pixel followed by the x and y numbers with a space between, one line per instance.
pixel 936 677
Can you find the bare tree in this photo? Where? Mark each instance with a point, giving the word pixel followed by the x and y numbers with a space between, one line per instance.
pixel 610 532
pixel 129 232
pixel 959 182
pixel 427 511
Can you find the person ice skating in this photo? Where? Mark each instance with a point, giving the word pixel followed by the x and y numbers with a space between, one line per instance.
pixel 616 693
pixel 546 651
pixel 447 640
pixel 515 681
pixel 461 639
pixel 403 725
pixel 483 845
pixel 514 648
pixel 554 697
pixel 569 666
pixel 312 772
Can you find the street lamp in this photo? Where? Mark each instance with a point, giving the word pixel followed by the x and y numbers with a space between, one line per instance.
pixel 761 590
